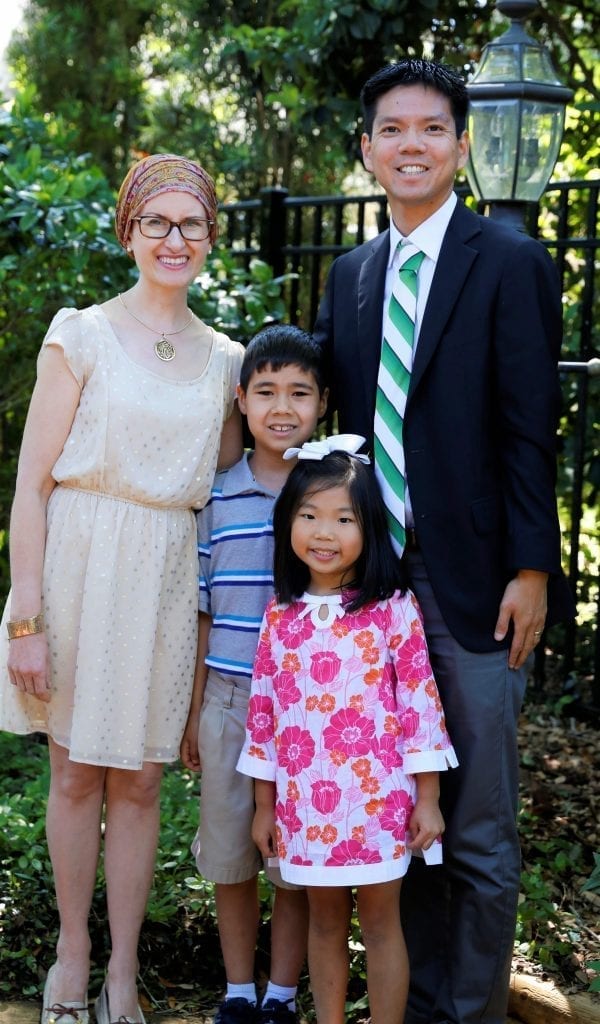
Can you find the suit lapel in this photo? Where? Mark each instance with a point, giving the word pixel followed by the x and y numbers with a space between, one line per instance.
pixel 371 288
pixel 453 266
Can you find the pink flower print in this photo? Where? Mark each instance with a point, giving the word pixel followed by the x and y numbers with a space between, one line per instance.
pixel 260 718
pixel 410 722
pixel 386 687
pixel 412 660
pixel 349 732
pixel 351 851
pixel 324 666
pixel 296 749
pixel 285 689
pixel 286 816
pixel 263 662
pixel 387 752
pixel 294 631
pixel 325 796
pixel 396 813
pixel 297 859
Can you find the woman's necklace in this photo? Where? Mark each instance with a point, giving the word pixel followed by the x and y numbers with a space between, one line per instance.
pixel 162 347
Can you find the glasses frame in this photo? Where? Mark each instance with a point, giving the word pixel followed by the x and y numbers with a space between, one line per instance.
pixel 174 224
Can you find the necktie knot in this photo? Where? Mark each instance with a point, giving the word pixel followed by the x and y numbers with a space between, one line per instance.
pixel 411 258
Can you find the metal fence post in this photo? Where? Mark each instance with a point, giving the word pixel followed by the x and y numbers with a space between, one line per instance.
pixel 273 228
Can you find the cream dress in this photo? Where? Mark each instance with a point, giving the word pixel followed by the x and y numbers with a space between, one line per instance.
pixel 120 591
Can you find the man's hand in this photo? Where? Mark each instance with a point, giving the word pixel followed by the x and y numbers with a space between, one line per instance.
pixel 525 603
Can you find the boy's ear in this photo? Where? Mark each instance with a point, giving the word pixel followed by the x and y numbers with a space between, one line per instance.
pixel 241 397
pixel 323 402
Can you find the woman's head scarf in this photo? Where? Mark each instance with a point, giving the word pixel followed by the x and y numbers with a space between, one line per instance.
pixel 163 172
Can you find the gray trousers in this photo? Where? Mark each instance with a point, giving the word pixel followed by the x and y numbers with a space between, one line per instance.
pixel 459 919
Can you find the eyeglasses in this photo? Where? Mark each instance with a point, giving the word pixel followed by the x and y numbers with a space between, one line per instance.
pixel 193 229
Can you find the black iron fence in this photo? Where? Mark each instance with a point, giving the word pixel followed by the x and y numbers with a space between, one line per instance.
pixel 299 236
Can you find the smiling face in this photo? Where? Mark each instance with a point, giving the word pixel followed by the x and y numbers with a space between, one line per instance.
pixel 282 406
pixel 414 152
pixel 327 537
pixel 170 261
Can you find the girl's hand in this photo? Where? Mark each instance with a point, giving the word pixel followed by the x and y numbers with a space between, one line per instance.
pixel 425 825
pixel 28 665
pixel 263 831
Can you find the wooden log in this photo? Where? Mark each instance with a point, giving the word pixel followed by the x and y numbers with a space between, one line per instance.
pixel 540 1002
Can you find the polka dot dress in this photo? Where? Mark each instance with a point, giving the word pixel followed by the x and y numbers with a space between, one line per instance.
pixel 120 571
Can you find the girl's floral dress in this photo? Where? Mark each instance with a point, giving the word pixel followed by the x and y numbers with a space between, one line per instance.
pixel 343 711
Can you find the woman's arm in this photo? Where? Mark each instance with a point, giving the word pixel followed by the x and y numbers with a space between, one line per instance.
pixel 53 405
pixel 231 447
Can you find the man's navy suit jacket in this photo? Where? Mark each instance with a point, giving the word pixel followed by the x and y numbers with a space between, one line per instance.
pixel 482 410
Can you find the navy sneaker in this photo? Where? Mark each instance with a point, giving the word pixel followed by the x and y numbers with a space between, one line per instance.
pixel 273 1011
pixel 237 1011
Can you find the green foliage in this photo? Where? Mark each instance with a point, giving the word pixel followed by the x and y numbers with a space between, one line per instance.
pixel 548 865
pixel 265 93
pixel 593 882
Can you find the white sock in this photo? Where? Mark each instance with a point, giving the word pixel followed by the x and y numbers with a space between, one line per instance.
pixel 242 992
pixel 282 994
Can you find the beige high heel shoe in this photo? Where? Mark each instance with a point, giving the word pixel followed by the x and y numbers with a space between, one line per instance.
pixel 67 1012
pixel 103 1011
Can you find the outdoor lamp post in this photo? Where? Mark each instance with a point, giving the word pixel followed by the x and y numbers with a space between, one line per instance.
pixel 516 119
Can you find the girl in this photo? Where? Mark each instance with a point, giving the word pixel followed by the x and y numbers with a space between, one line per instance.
pixel 345 733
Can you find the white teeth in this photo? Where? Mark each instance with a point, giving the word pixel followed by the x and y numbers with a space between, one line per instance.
pixel 412 169
pixel 174 261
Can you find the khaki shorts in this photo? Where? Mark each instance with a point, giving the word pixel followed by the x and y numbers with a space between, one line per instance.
pixel 223 846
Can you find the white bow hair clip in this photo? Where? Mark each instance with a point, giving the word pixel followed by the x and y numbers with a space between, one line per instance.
pixel 317 450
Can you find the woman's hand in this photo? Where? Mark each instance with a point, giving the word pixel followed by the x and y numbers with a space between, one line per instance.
pixel 28 665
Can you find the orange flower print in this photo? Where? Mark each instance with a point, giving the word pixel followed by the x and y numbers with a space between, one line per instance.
pixel 364 638
pixel 370 785
pixel 370 655
pixel 293 793
pixel 392 726
pixel 357 702
pixel 399 851
pixel 372 677
pixel 431 688
pixel 313 832
pixel 374 808
pixel 359 833
pixel 329 834
pixel 338 757
pixel 361 768
pixel 312 703
pixel 281 849
pixel 340 628
pixel 327 703
pixel 394 642
pixel 291 662
pixel 257 752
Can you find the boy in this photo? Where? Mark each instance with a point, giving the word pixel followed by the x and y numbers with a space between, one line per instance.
pixel 281 392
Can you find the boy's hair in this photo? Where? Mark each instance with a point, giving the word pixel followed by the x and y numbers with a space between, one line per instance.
pixel 282 345
pixel 411 71
pixel 379 571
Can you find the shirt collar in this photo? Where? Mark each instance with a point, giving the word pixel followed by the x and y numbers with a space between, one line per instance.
pixel 429 235
pixel 239 479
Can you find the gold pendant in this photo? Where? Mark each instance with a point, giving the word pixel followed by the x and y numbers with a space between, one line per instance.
pixel 164 349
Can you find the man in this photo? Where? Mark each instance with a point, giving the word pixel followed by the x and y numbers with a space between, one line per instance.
pixel 477 456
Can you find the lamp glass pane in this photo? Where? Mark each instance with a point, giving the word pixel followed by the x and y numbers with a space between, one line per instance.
pixel 494 134
pixel 541 133
pixel 499 64
pixel 537 66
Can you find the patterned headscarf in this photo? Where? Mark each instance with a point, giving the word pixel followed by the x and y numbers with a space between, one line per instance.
pixel 163 172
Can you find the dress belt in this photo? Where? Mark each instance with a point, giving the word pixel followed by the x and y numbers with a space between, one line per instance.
pixel 127 501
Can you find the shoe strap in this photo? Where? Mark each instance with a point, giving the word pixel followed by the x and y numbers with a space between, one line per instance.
pixel 64 1010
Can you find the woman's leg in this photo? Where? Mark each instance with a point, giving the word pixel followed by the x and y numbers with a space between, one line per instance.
pixel 387 960
pixel 131 836
pixel 73 829
pixel 330 909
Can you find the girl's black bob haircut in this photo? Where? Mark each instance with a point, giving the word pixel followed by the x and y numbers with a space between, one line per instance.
pixel 379 571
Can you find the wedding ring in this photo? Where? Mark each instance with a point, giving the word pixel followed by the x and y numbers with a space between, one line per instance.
pixel 537 632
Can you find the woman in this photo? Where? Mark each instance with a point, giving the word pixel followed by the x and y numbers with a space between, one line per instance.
pixel 132 409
